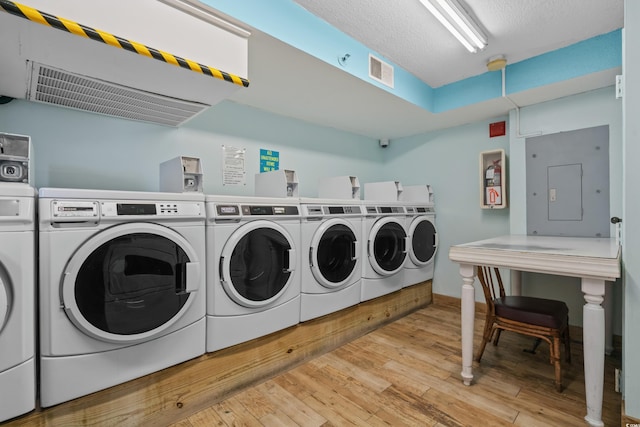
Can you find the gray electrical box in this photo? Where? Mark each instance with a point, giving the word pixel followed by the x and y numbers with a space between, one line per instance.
pixel 278 183
pixel 15 160
pixel 181 174
pixel 568 183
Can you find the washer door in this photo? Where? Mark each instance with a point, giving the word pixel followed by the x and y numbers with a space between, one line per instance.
pixel 387 246
pixel 130 282
pixel 4 297
pixel 256 263
pixel 333 255
pixel 423 241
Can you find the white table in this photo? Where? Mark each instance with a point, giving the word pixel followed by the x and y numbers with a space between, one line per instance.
pixel 596 261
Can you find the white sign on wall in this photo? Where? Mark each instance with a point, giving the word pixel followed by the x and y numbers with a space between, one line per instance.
pixel 233 166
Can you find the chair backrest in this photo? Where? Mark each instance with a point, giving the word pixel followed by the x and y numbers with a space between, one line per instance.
pixel 491 285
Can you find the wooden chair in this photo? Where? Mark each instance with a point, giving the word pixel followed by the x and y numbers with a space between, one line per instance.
pixel 544 319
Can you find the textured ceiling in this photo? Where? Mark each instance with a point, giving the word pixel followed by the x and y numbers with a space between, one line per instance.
pixel 412 39
pixel 519 29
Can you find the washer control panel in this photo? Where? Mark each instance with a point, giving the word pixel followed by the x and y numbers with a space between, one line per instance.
pixel 420 209
pixel 386 210
pixel 331 210
pixel 112 209
pixel 92 209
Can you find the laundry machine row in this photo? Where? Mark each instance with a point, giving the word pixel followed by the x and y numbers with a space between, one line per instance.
pixel 130 284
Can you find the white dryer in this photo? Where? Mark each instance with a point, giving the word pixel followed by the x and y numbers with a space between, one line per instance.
pixel 122 287
pixel 331 256
pixel 253 268
pixel 422 243
pixel 385 252
pixel 17 300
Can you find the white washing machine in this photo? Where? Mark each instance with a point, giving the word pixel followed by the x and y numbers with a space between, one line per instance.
pixel 122 287
pixel 422 243
pixel 385 251
pixel 253 268
pixel 17 300
pixel 331 256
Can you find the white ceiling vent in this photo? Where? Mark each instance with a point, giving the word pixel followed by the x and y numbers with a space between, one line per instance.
pixel 380 71
pixel 53 86
pixel 148 63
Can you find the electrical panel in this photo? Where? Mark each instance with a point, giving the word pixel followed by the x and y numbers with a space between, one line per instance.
pixel 568 183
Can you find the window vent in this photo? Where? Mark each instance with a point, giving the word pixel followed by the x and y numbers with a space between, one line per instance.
pixel 380 71
pixel 53 86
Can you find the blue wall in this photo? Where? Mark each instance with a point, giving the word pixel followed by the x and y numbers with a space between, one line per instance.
pixel 449 161
pixel 77 149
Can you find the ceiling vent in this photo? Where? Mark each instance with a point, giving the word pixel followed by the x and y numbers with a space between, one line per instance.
pixel 53 86
pixel 60 53
pixel 380 71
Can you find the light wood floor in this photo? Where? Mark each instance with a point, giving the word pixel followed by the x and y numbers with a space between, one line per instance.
pixel 407 373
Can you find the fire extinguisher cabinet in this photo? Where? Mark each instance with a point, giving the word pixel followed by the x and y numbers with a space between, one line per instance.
pixel 493 183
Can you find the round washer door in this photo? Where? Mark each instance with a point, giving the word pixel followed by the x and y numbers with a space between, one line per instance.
pixel 130 282
pixel 257 263
pixel 423 241
pixel 387 247
pixel 4 297
pixel 333 255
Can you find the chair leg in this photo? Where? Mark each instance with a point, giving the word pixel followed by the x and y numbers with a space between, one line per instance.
pixel 497 337
pixel 486 337
pixel 534 347
pixel 567 345
pixel 555 359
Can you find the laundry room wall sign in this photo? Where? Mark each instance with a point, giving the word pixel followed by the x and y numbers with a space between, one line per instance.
pixel 269 160
pixel 233 166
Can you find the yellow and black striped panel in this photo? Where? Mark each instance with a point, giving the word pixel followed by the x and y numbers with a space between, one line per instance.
pixel 43 18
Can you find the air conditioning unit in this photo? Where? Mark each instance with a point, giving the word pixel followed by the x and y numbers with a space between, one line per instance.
pixel 157 61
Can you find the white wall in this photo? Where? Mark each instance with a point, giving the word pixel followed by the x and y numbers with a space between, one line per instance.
pixel 630 217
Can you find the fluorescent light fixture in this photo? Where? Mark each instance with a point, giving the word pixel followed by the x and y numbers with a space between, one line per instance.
pixel 458 22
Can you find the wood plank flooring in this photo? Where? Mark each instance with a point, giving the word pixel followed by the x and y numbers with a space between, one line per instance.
pixel 407 373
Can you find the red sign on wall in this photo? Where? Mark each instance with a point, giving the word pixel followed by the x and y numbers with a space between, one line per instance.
pixel 497 129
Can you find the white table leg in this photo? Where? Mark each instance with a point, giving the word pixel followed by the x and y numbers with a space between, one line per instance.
pixel 608 318
pixel 516 282
pixel 468 312
pixel 594 342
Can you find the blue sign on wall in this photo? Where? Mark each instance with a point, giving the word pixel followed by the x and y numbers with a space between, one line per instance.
pixel 269 160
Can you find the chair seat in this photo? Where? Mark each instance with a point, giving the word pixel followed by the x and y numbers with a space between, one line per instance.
pixel 536 311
